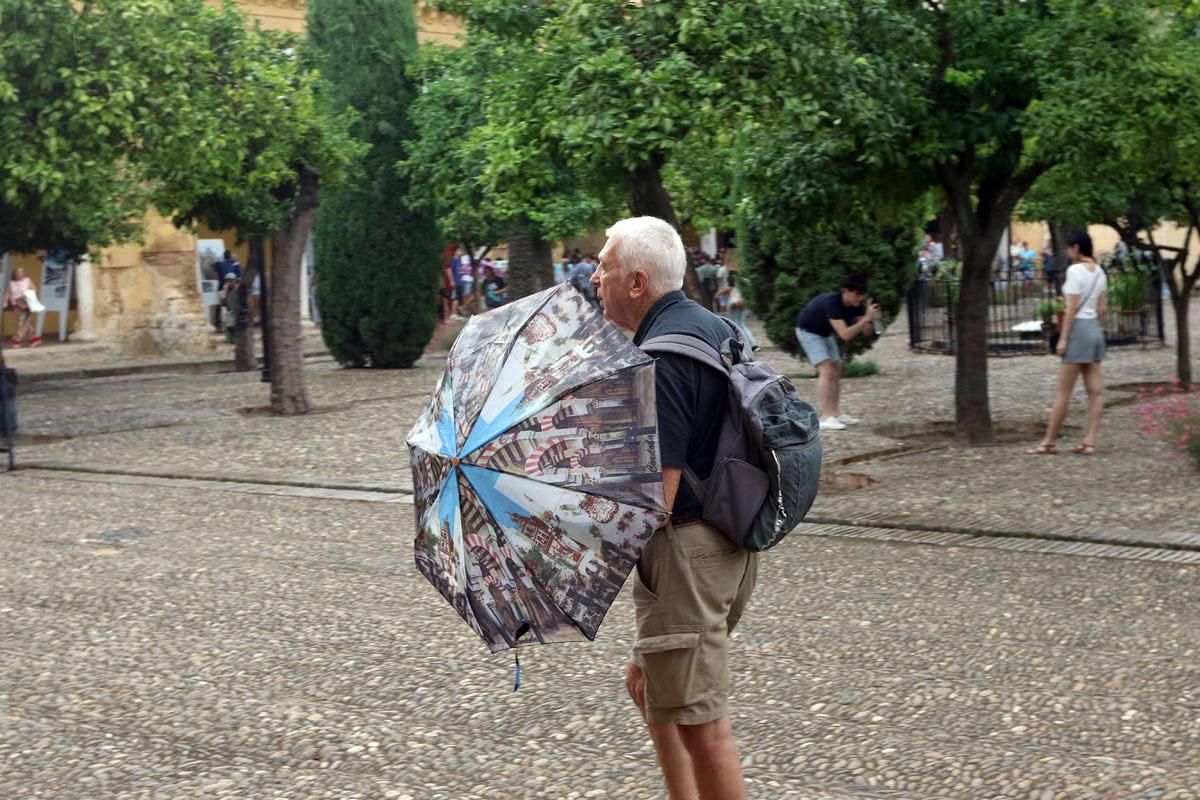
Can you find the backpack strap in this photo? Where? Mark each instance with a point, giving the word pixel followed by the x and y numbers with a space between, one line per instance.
pixel 697 349
pixel 692 347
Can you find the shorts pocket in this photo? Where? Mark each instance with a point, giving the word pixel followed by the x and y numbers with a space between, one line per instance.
pixel 671 665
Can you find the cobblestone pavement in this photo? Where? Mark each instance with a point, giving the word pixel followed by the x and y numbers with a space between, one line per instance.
pixel 266 635
pixel 185 643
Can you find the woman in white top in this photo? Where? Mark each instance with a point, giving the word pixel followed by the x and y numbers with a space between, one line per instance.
pixel 1081 345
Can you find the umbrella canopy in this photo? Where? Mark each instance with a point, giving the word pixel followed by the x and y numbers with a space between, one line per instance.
pixel 536 470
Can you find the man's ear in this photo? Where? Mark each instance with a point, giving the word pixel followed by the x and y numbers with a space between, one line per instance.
pixel 640 283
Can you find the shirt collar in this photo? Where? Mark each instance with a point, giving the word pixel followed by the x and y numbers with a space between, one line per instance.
pixel 660 305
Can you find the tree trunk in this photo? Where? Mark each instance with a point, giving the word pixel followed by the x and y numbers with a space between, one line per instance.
pixel 649 198
pixel 972 408
pixel 244 360
pixel 1183 343
pixel 289 395
pixel 3 276
pixel 530 264
pixel 948 233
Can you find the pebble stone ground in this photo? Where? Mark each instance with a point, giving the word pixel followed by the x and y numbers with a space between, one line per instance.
pixel 165 635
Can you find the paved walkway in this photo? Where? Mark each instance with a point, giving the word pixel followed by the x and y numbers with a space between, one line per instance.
pixel 199 600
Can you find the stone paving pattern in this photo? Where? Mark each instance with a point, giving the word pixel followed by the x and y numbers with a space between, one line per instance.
pixel 168 638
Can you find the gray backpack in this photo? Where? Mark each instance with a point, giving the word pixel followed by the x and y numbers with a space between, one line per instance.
pixel 768 460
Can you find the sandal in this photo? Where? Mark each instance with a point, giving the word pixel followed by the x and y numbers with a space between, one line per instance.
pixel 1042 450
pixel 1084 450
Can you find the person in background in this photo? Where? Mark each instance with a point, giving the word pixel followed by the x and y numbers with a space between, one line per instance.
pixel 562 269
pixel 724 287
pixel 14 298
pixel 827 319
pixel 706 273
pixel 580 276
pixel 227 267
pixel 1049 267
pixel 466 271
pixel 448 297
pixel 738 310
pixel 495 291
pixel 456 275
pixel 232 305
pixel 1081 345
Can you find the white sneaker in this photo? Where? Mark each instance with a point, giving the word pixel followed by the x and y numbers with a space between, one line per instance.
pixel 846 419
pixel 832 424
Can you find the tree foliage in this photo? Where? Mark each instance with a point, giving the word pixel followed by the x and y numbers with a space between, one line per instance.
pixel 981 98
pixel 376 256
pixel 1134 162
pixel 77 93
pixel 108 106
pixel 635 100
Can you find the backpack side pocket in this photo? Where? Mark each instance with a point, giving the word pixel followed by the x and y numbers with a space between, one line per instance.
pixel 733 496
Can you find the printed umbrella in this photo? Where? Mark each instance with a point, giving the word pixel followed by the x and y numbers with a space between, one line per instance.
pixel 536 470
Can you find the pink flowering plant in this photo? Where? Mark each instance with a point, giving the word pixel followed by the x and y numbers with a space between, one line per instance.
pixel 1170 414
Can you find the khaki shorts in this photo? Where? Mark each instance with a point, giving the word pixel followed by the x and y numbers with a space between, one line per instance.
pixel 690 588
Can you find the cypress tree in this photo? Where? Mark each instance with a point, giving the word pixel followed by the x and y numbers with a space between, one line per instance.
pixel 375 258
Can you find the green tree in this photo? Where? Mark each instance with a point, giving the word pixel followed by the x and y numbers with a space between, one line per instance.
pixel 621 91
pixel 171 102
pixel 376 256
pixel 443 162
pixel 987 96
pixel 1144 169
pixel 76 94
pixel 251 154
pixel 484 178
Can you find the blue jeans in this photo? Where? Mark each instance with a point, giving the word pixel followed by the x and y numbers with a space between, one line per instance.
pixel 819 348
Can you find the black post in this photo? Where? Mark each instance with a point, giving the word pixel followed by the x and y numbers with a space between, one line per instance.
pixel 257 256
pixel 8 413
pixel 1158 309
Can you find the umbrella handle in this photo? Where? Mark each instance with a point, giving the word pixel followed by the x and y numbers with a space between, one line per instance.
pixel 516 670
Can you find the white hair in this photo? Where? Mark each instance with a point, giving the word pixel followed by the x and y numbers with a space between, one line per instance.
pixel 653 245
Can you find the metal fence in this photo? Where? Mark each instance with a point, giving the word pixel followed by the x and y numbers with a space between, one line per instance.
pixel 1019 310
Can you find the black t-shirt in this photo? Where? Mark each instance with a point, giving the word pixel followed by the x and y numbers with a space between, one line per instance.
pixel 691 398
pixel 815 316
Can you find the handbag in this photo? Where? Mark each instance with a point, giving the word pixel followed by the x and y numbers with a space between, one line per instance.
pixel 31 300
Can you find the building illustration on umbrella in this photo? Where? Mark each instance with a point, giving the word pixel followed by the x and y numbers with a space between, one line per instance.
pixel 537 478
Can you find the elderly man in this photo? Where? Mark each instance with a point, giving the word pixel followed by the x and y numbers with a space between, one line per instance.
pixel 691 583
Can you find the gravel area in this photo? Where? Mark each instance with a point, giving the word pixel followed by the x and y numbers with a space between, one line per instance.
pixel 183 639
pixel 176 643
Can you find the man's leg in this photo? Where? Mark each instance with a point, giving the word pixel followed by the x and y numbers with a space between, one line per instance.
pixel 827 387
pixel 673 758
pixel 836 390
pixel 714 757
pixel 679 772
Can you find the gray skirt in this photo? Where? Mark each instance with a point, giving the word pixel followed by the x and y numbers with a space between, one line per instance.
pixel 1086 345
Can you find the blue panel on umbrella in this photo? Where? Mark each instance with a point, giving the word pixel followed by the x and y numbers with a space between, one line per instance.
pixel 501 506
pixel 448 505
pixel 485 431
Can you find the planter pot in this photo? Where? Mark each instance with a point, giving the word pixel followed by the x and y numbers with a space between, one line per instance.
pixel 1129 321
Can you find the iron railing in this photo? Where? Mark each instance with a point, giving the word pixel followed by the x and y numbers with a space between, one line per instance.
pixel 1017 309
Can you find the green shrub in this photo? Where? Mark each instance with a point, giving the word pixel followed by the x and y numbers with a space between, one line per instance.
pixel 1127 290
pixel 788 265
pixel 376 259
pixel 854 369
pixel 1049 309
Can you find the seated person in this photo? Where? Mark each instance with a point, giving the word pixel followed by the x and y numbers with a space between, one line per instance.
pixel 495 291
